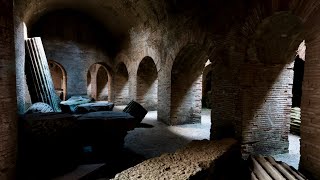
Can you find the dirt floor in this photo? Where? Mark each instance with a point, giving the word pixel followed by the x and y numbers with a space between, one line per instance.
pixel 155 138
pixel 152 142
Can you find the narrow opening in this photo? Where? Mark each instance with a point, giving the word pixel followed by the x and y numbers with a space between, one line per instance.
pixel 186 86
pixel 147 84
pixel 121 85
pixel 59 78
pixel 102 84
pixel 98 82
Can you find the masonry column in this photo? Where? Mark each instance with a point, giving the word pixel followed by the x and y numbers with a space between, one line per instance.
pixel 310 119
pixel 266 93
pixel 225 115
pixel 133 82
pixel 93 72
pixel 8 100
pixel 164 95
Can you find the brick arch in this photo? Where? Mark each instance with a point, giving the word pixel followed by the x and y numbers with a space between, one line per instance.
pixel 147 84
pixel 99 80
pixel 186 86
pixel 59 76
pixel 258 85
pixel 121 84
pixel 275 39
pixel 198 38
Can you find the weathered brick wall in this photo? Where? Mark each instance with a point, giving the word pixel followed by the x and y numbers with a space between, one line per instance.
pixel 167 26
pixel 76 61
pixel 121 85
pixel 72 43
pixel 147 84
pixel 266 94
pixel 8 100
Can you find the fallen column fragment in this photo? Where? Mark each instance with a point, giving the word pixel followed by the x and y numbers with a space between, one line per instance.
pixel 39 79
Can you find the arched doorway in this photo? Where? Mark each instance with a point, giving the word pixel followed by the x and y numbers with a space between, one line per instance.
pixel 59 78
pixel 186 85
pixel 121 85
pixel 147 84
pixel 99 82
pixel 102 84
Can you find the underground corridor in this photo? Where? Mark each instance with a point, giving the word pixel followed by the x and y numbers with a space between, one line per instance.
pixel 154 89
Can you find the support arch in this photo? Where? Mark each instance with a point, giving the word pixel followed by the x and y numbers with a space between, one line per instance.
pixel 147 84
pixel 121 85
pixel 186 85
pixel 59 77
pixel 99 82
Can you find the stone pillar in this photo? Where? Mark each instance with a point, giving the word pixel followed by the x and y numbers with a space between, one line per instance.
pixel 8 100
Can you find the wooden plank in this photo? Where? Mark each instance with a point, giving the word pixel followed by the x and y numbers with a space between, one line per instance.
pixel 259 171
pixel 283 171
pixel 298 176
pixel 273 172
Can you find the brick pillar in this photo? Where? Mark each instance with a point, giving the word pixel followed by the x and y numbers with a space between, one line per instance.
pixel 8 100
pixel 225 115
pixel 310 119
pixel 164 94
pixel 266 94
pixel 133 82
